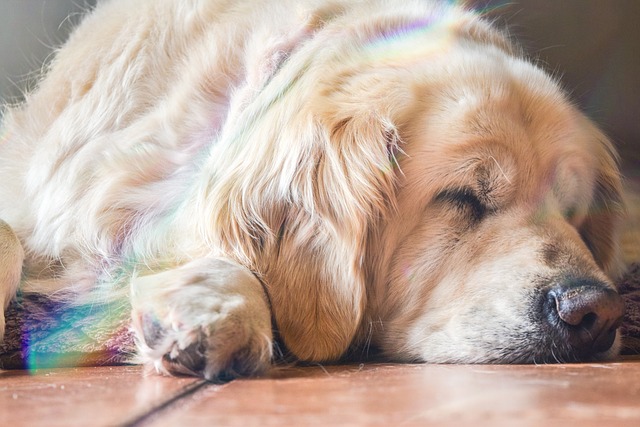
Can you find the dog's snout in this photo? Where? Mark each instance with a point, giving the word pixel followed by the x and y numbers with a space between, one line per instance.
pixel 586 313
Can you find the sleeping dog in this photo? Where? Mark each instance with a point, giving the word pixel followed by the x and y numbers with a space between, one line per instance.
pixel 332 175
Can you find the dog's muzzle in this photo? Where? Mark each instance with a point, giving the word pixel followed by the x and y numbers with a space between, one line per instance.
pixel 584 314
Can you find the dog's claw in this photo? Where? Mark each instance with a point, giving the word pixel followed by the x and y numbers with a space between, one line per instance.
pixel 152 330
pixel 190 360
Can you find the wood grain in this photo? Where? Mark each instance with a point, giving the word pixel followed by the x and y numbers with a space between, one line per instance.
pixel 101 396
pixel 418 395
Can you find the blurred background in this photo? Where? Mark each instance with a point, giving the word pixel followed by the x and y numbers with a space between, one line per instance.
pixel 29 31
pixel 592 45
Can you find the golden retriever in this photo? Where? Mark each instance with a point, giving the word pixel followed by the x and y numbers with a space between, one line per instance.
pixel 333 176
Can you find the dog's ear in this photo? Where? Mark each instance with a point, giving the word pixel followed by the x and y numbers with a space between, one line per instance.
pixel 300 188
pixel 344 185
pixel 600 229
pixel 360 169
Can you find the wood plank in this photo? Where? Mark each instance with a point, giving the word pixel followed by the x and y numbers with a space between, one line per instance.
pixel 100 396
pixel 412 395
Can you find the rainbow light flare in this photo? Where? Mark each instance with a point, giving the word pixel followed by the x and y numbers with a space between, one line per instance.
pixel 57 334
pixel 77 336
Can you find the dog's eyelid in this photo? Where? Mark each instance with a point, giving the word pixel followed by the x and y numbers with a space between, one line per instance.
pixel 464 196
pixel 454 193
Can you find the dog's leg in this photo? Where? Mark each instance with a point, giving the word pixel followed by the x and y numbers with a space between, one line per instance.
pixel 209 317
pixel 11 258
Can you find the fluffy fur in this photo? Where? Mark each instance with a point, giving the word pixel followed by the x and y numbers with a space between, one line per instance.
pixel 386 173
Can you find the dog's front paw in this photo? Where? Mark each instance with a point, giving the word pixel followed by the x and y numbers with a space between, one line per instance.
pixel 208 318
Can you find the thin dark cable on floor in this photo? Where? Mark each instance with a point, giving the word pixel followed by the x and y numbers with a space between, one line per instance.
pixel 155 410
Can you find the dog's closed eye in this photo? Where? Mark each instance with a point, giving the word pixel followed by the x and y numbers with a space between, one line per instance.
pixel 464 200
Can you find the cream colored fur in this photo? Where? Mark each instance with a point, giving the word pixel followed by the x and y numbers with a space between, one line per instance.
pixel 188 143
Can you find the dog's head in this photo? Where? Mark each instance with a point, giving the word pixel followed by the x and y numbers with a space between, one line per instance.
pixel 502 242
pixel 494 238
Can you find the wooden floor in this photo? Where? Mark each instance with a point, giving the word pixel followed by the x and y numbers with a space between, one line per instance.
pixel 602 395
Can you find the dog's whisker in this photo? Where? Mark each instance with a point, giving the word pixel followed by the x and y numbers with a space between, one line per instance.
pixel 501 170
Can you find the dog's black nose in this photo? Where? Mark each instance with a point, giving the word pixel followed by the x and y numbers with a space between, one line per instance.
pixel 586 313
